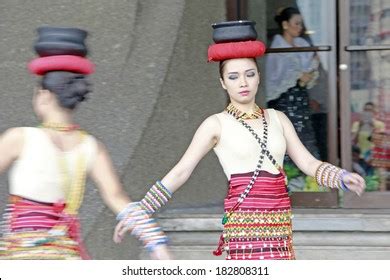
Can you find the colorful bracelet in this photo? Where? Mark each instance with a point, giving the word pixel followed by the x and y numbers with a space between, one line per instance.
pixel 155 198
pixel 331 176
pixel 342 184
pixel 143 227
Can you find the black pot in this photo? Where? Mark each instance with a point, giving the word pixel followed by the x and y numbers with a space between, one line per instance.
pixel 61 41
pixel 60 48
pixel 234 31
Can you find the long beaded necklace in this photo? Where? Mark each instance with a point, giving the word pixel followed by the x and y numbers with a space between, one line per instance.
pixel 264 151
pixel 240 117
pixel 73 189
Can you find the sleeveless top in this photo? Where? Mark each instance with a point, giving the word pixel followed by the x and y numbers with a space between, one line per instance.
pixel 36 174
pixel 238 151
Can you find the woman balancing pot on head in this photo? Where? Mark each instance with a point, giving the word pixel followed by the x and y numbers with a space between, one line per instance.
pixel 250 143
pixel 49 163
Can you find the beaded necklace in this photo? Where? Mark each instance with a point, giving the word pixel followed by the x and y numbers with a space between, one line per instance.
pixel 73 187
pixel 60 126
pixel 263 144
pixel 74 193
pixel 232 110
pixel 240 117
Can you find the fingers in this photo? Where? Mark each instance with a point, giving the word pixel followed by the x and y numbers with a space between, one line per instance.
pixel 123 230
pixel 351 179
pixel 355 183
pixel 161 252
pixel 118 232
pixel 125 225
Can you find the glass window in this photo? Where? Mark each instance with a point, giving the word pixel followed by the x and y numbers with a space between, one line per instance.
pixel 370 93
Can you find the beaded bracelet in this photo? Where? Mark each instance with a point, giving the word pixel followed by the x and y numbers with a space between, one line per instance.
pixel 155 198
pixel 343 186
pixel 143 227
pixel 319 171
pixel 331 176
pixel 325 174
pixel 131 207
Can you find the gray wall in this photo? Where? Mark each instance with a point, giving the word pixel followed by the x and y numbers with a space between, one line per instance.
pixel 152 89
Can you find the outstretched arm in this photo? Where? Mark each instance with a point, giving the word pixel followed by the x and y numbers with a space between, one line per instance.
pixel 205 138
pixel 107 181
pixel 304 160
pixel 309 164
pixel 203 141
pixel 115 197
pixel 11 143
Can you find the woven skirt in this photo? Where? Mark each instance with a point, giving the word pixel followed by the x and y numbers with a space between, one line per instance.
pixel 28 232
pixel 260 229
pixel 295 104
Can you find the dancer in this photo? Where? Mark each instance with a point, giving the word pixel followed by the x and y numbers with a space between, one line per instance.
pixel 250 143
pixel 49 163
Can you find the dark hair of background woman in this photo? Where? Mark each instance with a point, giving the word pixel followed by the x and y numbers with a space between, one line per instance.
pixel 285 15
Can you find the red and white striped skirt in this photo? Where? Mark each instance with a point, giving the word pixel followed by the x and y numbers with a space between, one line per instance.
pixel 260 229
pixel 27 235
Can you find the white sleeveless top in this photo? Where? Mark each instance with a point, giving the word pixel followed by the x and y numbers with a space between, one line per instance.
pixel 238 151
pixel 36 174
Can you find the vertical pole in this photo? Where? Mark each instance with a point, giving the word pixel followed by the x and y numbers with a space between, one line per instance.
pixel 238 2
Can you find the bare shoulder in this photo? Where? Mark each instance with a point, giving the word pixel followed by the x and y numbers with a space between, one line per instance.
pixel 280 114
pixel 211 125
pixel 282 117
pixel 208 131
pixel 14 134
pixel 212 121
pixel 101 147
pixel 11 142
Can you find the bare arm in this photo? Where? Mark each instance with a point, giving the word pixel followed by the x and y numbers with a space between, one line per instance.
pixel 111 190
pixel 11 144
pixel 295 149
pixel 309 164
pixel 203 141
pixel 105 177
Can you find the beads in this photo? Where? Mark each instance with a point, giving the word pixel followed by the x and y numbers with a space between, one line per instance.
pixel 155 198
pixel 60 126
pixel 143 227
pixel 331 176
pixel 257 112
pixel 241 117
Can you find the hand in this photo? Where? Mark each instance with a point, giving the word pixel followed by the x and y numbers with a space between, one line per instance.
pixel 120 231
pixel 354 182
pixel 161 252
pixel 314 105
pixel 306 77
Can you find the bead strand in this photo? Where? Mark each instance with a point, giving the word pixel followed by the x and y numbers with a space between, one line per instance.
pixel 331 176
